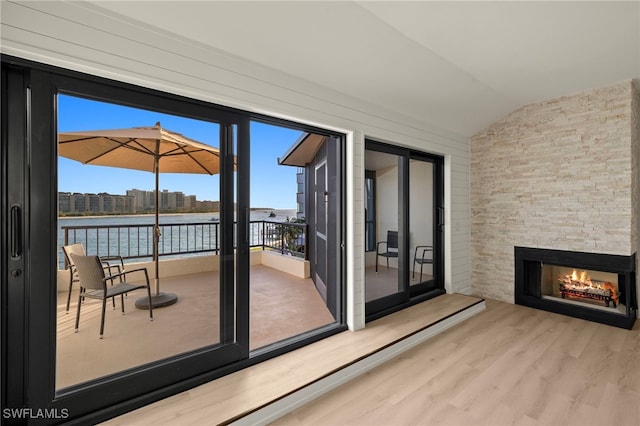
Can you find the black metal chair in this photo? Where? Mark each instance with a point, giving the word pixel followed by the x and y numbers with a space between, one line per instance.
pixel 93 285
pixel 391 247
pixel 426 256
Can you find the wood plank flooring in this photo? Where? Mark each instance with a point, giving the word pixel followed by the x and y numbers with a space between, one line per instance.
pixel 243 392
pixel 508 365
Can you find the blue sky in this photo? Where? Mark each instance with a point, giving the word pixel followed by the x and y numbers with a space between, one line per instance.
pixel 271 185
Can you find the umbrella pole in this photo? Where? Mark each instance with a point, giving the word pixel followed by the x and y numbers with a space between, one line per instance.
pixel 158 300
pixel 156 228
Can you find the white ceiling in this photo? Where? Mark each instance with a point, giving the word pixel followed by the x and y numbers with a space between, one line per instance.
pixel 458 65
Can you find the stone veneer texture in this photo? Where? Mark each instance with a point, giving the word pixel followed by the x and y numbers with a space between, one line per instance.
pixel 556 174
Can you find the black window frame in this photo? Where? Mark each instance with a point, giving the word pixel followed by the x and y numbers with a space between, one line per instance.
pixel 28 374
pixel 412 294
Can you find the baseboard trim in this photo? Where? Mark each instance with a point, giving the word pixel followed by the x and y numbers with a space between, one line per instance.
pixel 292 401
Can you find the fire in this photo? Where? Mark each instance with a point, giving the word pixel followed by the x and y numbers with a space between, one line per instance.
pixel 582 279
pixel 614 290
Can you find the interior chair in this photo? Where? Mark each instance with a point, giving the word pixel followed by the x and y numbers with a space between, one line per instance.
pixel 93 285
pixel 78 249
pixel 390 247
pixel 426 256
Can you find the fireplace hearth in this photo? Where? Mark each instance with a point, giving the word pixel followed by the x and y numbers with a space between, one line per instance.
pixel 591 286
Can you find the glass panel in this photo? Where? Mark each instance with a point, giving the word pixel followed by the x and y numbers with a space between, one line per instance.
pixel 421 219
pixel 107 207
pixel 382 277
pixel 285 300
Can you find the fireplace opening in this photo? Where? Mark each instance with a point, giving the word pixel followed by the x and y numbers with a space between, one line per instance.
pixel 596 287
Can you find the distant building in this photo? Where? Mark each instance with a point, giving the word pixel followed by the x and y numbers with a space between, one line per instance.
pixel 64 202
pixel 300 194
pixel 189 202
pixel 93 203
pixel 124 204
pixel 135 201
pixel 144 199
pixel 103 202
pixel 79 203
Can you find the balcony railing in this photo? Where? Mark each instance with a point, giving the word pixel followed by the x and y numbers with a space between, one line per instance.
pixel 136 241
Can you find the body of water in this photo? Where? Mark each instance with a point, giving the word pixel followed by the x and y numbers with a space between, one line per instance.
pixel 131 235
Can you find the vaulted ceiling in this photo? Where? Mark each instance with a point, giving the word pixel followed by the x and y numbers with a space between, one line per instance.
pixel 457 65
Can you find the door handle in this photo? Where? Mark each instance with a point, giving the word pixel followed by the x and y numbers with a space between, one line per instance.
pixel 16 231
pixel 247 235
pixel 440 216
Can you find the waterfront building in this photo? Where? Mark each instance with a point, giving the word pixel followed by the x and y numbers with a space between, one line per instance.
pixel 95 203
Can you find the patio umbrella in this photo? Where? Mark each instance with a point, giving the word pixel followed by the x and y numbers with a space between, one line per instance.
pixel 151 149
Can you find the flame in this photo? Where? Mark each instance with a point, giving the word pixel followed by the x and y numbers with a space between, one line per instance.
pixel 584 279
pixel 614 290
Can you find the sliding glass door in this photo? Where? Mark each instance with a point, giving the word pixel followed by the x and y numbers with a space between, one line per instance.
pixel 404 215
pixel 165 190
pixel 97 349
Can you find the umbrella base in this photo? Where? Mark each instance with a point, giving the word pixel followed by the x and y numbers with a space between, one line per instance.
pixel 159 300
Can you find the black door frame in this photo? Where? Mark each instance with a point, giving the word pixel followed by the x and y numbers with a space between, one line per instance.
pixel 412 294
pixel 34 148
pixel 28 165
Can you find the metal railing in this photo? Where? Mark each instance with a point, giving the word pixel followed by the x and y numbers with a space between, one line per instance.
pixel 136 241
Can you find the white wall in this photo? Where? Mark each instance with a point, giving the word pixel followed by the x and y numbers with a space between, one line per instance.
pixel 80 37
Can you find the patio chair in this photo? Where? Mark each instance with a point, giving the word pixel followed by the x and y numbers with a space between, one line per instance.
pixel 93 285
pixel 426 256
pixel 391 247
pixel 78 249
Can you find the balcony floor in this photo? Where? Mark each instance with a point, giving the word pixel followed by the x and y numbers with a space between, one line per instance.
pixel 385 281
pixel 281 306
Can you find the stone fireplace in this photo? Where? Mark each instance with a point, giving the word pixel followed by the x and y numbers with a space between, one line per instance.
pixel 559 175
pixel 591 286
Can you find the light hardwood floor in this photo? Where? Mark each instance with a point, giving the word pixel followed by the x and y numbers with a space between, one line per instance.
pixel 509 365
pixel 243 392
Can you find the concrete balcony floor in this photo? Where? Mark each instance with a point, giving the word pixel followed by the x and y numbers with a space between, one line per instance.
pixel 281 306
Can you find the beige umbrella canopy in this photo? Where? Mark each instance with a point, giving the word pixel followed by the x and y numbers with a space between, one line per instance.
pixel 138 148
pixel 151 149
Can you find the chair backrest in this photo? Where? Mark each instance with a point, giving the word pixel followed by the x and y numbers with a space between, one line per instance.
pixel 392 239
pixel 90 271
pixel 77 249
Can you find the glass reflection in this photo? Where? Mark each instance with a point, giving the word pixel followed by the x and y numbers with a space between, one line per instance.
pixel 382 277
pixel 421 221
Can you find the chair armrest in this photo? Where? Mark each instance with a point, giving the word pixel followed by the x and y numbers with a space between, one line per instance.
pixel 108 267
pixel 106 260
pixel 125 273
pixel 424 249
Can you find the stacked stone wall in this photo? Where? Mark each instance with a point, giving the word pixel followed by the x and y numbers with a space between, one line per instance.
pixel 557 174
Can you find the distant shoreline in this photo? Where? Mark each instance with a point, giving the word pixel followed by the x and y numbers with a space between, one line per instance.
pixel 125 215
pixel 161 214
